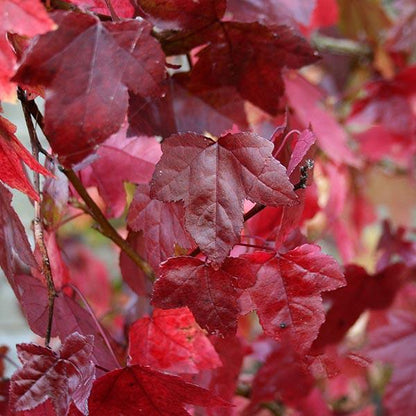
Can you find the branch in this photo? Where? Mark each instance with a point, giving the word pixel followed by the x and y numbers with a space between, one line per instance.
pixel 340 46
pixel 105 226
pixel 37 222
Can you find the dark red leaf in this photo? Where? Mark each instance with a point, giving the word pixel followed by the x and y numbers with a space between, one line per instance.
pixel 4 396
pixel 171 340
pixel 287 294
pixel 25 17
pixel 213 178
pixel 363 291
pixel 184 14
pixel 162 225
pixel 250 57
pixel 12 154
pixel 92 90
pixel 61 377
pixel 129 160
pixel 284 376
pixel 210 294
pixel 134 390
pixel 395 344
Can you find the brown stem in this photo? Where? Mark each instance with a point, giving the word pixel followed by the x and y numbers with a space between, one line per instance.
pixel 105 226
pixel 113 13
pixel 38 226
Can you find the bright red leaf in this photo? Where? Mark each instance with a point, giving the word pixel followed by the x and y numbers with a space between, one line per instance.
pixel 135 389
pixel 12 155
pixel 306 100
pixel 287 294
pixel 395 344
pixel 91 90
pixel 162 224
pixel 171 340
pixel 25 17
pixel 61 377
pixel 209 293
pixel 213 178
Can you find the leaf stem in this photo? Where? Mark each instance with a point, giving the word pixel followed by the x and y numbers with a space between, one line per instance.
pixel 97 324
pixel 105 226
pixel 37 221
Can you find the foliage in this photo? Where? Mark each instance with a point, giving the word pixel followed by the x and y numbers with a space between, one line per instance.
pixel 222 149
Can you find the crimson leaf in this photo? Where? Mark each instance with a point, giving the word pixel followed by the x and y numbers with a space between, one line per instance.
pixel 136 389
pixel 213 178
pixel 171 340
pixel 91 90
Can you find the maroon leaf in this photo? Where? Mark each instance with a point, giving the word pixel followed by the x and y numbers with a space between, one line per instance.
pixel 91 90
pixel 12 154
pixel 394 344
pixel 184 14
pixel 162 225
pixel 61 377
pixel 284 376
pixel 213 178
pixel 136 389
pixel 171 340
pixel 363 291
pixel 287 294
pixel 130 160
pixel 250 57
pixel 210 294
pixel 25 17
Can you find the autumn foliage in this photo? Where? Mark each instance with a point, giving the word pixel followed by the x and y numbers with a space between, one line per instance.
pixel 222 207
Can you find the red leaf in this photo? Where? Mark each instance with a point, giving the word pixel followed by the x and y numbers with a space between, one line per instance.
pixel 363 291
pixel 61 377
pixel 68 317
pixel 210 294
pixel 284 376
pixel 213 178
pixel 395 344
pixel 4 396
pixel 287 294
pixel 171 340
pixel 122 8
pixel 12 154
pixel 130 160
pixel 13 239
pixel 306 99
pixel 91 90
pixel 250 57
pixel 136 389
pixel 25 17
pixel 162 225
pixel 184 14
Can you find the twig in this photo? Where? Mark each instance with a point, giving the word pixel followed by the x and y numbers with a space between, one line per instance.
pixel 113 13
pixel 37 223
pixel 97 324
pixel 340 46
pixel 105 226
